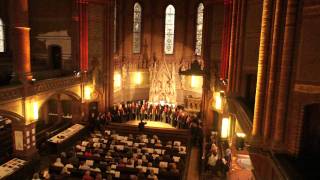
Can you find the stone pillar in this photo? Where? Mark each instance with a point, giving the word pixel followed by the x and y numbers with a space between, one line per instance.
pixel 21 40
pixel 225 39
pixel 262 72
pixel 109 40
pixel 83 26
pixel 232 45
pixel 270 98
pixel 285 73
pixel 22 65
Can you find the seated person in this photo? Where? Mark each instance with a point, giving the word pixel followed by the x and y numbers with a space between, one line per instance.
pixel 141 174
pixel 144 158
pixel 87 176
pixel 212 160
pixel 98 176
pixel 58 163
pixel 139 165
pixel 152 175
pixel 74 160
pixel 95 169
pixel 174 169
pixel 84 166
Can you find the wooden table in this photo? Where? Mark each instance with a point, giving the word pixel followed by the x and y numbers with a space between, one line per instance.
pixel 11 167
pixel 66 137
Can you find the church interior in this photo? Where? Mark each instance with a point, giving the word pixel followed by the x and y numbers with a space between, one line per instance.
pixel 160 89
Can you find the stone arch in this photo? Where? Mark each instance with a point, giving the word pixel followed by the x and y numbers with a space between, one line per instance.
pixel 16 118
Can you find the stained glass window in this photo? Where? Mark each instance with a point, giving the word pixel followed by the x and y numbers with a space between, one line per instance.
pixel 136 28
pixel 1 36
pixel 199 29
pixel 115 27
pixel 169 30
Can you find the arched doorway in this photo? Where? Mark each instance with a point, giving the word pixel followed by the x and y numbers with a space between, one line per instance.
pixel 55 55
pixel 56 114
pixel 310 142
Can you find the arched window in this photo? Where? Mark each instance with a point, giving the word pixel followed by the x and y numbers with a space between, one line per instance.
pixel 199 29
pixel 169 30
pixel 115 27
pixel 2 38
pixel 136 28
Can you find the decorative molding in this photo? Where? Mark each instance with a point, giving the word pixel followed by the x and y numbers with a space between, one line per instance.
pixel 306 88
pixel 11 93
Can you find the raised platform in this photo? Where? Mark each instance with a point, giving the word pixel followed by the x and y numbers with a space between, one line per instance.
pixel 152 124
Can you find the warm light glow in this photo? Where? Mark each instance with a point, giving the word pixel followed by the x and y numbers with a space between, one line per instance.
pixel 138 78
pixel 35 110
pixel 32 110
pixel 196 81
pixel 87 92
pixel 241 135
pixel 225 128
pixel 218 101
pixel 117 80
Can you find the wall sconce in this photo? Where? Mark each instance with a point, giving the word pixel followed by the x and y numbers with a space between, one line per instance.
pixel 138 78
pixel 196 81
pixel 225 127
pixel 35 110
pixel 87 92
pixel 117 80
pixel 32 110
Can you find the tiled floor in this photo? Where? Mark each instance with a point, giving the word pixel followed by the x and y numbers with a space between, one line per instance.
pixel 237 172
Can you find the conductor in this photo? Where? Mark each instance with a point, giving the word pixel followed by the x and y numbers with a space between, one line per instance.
pixel 141 125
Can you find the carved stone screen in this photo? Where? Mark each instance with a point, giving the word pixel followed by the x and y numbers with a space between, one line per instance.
pixel 136 43
pixel 169 30
pixel 199 29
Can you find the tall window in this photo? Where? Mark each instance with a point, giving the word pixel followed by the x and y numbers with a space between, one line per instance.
pixel 169 30
pixel 136 28
pixel 2 39
pixel 115 27
pixel 199 29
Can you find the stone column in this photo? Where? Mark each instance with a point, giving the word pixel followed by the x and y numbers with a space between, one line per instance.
pixel 270 98
pixel 83 26
pixel 225 39
pixel 262 71
pixel 22 65
pixel 21 40
pixel 109 40
pixel 285 73
pixel 232 44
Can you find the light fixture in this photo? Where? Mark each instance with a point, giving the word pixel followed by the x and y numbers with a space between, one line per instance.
pixel 218 101
pixel 196 81
pixel 87 92
pixel 138 78
pixel 117 80
pixel 241 135
pixel 225 127
pixel 35 110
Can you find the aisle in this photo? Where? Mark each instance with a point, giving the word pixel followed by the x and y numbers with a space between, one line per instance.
pixel 193 169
